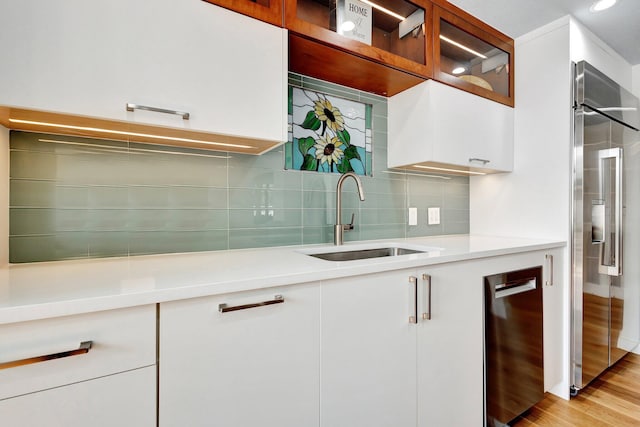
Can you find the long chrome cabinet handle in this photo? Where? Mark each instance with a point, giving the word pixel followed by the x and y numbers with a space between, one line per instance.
pixel 224 308
pixel 550 281
pixel 427 314
pixel 131 107
pixel 84 348
pixel 413 302
pixel 483 161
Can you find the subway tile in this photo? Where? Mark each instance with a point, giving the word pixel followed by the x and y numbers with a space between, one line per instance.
pixel 187 197
pixel 389 231
pixel 197 219
pixel 156 242
pixel 48 248
pixel 264 218
pixel 259 238
pixel 108 244
pixel 317 235
pixel 29 193
pixel 264 178
pixel 241 198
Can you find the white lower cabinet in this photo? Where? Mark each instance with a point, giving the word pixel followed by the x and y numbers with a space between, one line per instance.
pixel 254 365
pixel 386 363
pixel 94 369
pixel 125 399
pixel 368 351
pixel 450 347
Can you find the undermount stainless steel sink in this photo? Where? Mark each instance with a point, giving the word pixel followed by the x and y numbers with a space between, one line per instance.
pixel 352 255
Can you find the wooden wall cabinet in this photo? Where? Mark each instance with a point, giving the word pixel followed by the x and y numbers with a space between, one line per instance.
pixel 472 56
pixel 386 59
pixel 270 11
pixel 451 46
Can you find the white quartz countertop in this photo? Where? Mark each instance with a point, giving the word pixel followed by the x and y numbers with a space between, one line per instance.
pixel 51 289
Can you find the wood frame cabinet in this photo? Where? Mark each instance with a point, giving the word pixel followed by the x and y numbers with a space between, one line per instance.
pixel 481 31
pixel 322 53
pixel 265 10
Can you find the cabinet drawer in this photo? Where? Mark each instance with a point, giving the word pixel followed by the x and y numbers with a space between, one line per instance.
pixel 126 399
pixel 121 340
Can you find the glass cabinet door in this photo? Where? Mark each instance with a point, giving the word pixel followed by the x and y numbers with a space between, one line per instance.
pixel 265 10
pixel 389 31
pixel 478 60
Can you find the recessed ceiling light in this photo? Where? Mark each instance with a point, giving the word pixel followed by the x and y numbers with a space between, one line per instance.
pixel 601 5
pixel 459 70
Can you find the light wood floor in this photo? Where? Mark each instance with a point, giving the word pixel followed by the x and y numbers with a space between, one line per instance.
pixel 611 400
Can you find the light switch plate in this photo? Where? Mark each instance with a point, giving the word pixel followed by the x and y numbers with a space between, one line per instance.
pixel 413 216
pixel 433 215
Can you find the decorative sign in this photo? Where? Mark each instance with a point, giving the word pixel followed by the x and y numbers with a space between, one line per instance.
pixel 354 20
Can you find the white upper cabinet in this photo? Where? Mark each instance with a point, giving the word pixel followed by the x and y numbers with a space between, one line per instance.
pixel 437 128
pixel 227 70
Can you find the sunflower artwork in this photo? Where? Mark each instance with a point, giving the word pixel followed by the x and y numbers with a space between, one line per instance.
pixel 329 134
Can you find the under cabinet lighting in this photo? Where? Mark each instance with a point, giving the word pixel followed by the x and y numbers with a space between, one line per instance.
pixel 459 70
pixel 461 46
pixel 125 133
pixel 448 170
pixel 382 9
pixel 601 5
pixel 129 149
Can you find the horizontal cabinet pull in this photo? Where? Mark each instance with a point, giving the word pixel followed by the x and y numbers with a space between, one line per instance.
pixel 131 107
pixel 84 348
pixel 483 161
pixel 224 308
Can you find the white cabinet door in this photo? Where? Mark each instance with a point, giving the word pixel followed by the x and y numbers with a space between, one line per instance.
pixel 432 124
pixel 252 367
pixel 368 351
pixel 450 347
pixel 92 58
pixel 125 399
pixel 554 319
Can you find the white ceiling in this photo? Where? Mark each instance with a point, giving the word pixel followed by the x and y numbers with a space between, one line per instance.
pixel 619 26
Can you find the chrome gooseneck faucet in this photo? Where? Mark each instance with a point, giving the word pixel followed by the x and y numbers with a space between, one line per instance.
pixel 339 228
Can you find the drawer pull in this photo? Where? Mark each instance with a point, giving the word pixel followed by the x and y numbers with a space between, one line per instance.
pixel 483 161
pixel 84 348
pixel 224 308
pixel 131 107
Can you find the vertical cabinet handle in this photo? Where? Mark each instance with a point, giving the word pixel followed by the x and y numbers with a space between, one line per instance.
pixel 611 264
pixel 84 348
pixel 549 282
pixel 427 313
pixel 413 300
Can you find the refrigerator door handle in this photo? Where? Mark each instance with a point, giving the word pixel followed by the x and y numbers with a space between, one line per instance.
pixel 614 268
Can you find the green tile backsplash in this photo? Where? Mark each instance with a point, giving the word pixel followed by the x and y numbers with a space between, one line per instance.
pixel 74 197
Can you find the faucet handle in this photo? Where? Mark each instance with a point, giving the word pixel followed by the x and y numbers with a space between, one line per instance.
pixel 348 227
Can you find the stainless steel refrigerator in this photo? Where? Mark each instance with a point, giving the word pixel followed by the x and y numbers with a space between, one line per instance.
pixel 606 224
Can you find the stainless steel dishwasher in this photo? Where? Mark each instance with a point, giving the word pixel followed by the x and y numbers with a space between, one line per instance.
pixel 514 376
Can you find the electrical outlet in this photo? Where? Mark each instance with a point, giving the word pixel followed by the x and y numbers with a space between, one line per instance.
pixel 413 216
pixel 433 216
